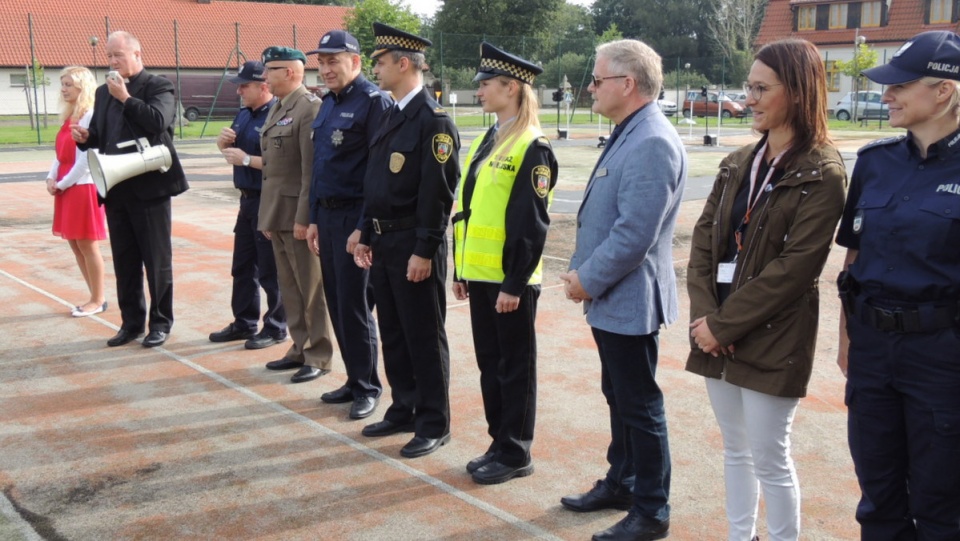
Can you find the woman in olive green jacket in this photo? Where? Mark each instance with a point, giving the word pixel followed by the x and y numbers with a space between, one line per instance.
pixel 756 255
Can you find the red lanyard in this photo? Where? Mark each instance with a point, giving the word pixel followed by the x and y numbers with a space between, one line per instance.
pixel 753 199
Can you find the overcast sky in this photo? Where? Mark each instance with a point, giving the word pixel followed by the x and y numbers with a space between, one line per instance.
pixel 430 7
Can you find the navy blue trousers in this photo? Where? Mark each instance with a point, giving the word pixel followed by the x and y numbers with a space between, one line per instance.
pixel 639 454
pixel 254 267
pixel 349 300
pixel 903 401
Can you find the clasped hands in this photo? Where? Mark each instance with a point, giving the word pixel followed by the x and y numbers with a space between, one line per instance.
pixel 572 288
pixel 705 340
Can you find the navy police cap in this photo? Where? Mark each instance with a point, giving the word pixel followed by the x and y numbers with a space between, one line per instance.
pixel 272 54
pixel 495 62
pixel 388 38
pixel 929 54
pixel 251 71
pixel 337 41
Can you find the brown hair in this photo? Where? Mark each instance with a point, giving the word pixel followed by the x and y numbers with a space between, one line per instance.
pixel 798 65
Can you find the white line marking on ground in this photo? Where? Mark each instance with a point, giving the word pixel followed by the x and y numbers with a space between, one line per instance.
pixel 504 516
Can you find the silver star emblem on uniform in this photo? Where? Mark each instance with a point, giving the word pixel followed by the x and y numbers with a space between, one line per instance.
pixel 336 138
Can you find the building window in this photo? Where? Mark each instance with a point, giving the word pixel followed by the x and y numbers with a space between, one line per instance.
pixel 869 14
pixel 18 79
pixel 807 18
pixel 833 76
pixel 838 16
pixel 941 11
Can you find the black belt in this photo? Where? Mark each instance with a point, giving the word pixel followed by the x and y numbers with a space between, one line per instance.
pixel 331 203
pixel 890 316
pixel 400 224
pixel 250 193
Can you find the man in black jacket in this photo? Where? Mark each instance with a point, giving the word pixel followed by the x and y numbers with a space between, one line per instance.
pixel 135 104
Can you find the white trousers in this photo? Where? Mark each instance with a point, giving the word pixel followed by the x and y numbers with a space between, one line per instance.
pixel 756 453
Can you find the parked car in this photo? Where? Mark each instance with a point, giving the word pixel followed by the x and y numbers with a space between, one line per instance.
pixel 669 108
pixel 198 93
pixel 868 100
pixel 737 96
pixel 714 102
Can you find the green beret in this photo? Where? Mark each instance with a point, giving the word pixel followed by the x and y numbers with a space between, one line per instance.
pixel 271 54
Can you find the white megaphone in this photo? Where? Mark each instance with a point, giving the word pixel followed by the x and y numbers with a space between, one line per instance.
pixel 108 171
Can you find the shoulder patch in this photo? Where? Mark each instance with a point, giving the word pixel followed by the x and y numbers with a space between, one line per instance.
pixel 881 142
pixel 540 177
pixel 442 147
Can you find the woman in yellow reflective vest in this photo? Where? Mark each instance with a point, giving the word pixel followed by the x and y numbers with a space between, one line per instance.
pixel 499 234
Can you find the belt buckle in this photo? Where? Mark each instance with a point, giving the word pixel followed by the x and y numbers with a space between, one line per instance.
pixel 889 320
pixel 376 226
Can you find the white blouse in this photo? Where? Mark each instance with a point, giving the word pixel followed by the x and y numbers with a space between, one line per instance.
pixel 80 172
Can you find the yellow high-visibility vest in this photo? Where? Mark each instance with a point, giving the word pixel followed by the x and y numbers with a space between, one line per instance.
pixel 480 237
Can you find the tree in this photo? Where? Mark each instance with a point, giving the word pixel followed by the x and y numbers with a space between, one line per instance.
pixel 864 57
pixel 672 27
pixel 519 27
pixel 610 34
pixel 359 21
pixel 732 27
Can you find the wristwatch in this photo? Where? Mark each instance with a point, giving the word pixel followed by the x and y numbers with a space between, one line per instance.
pixel 246 161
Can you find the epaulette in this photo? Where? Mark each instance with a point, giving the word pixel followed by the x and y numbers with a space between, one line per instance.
pixel 373 93
pixel 312 97
pixel 439 111
pixel 881 142
pixel 543 141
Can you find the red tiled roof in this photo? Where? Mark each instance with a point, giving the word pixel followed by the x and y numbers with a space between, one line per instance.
pixel 206 33
pixel 905 21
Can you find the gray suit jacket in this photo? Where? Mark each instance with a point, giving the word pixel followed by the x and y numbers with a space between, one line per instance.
pixel 625 227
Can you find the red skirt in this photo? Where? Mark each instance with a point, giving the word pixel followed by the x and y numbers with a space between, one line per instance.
pixel 77 215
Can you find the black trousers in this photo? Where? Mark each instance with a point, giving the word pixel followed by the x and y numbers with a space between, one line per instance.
pixel 254 267
pixel 411 315
pixel 140 240
pixel 506 348
pixel 349 300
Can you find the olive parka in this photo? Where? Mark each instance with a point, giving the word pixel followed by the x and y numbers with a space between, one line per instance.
pixel 771 315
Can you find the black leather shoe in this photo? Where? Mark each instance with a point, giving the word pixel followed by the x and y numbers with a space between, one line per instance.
pixel 122 337
pixel 230 333
pixel 263 340
pixel 154 339
pixel 385 428
pixel 284 364
pixel 363 407
pixel 340 396
pixel 634 527
pixel 597 498
pixel 420 446
pixel 480 462
pixel 308 373
pixel 495 473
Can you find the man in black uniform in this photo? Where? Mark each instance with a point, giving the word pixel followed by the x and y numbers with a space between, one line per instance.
pixel 348 120
pixel 253 263
pixel 408 191
pixel 132 105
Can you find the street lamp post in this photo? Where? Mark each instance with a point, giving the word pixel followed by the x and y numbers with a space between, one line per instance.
pixel 94 40
pixel 858 40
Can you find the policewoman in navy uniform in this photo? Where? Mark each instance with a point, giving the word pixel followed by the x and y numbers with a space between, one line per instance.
pixel 411 175
pixel 499 234
pixel 899 332
pixel 253 264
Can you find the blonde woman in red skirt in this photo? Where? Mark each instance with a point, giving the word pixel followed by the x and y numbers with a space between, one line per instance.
pixel 77 216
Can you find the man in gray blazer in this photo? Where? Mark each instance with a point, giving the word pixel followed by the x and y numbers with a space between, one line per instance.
pixel 622 271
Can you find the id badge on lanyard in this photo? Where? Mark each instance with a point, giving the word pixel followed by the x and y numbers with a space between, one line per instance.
pixel 725 271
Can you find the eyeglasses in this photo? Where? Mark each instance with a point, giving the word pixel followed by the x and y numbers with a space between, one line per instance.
pixel 598 80
pixel 757 90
